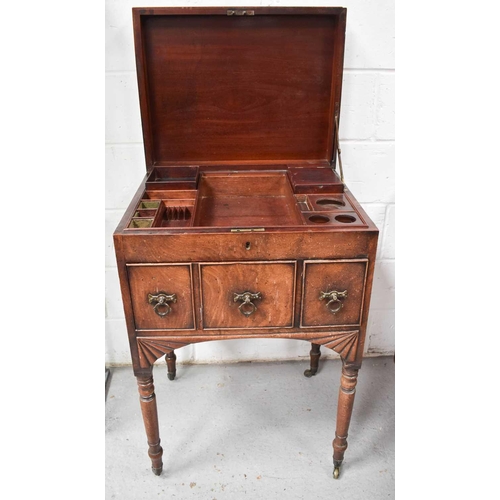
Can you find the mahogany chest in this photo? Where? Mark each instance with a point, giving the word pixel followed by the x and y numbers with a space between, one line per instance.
pixel 242 226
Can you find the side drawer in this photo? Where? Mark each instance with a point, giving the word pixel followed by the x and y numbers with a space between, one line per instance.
pixel 248 295
pixel 333 292
pixel 162 296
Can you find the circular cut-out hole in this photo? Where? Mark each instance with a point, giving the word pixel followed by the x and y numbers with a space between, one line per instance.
pixel 346 219
pixel 319 219
pixel 330 201
pixel 247 245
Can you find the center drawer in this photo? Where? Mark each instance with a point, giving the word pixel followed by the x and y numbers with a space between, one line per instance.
pixel 248 295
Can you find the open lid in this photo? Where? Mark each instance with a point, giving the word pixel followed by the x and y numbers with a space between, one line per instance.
pixel 257 85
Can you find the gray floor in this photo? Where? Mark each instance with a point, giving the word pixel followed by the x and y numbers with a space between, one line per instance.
pixel 252 430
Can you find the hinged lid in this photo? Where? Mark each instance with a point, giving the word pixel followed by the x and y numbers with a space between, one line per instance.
pixel 256 85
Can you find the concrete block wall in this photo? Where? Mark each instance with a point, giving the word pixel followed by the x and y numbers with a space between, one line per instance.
pixel 367 141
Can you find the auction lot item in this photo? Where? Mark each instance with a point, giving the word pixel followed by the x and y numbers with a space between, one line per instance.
pixel 243 226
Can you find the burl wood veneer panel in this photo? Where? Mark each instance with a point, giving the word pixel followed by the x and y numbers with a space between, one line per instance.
pixel 326 276
pixel 275 282
pixel 170 279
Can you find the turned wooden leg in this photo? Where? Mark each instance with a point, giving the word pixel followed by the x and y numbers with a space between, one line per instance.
pixel 344 411
pixel 150 417
pixel 170 358
pixel 314 354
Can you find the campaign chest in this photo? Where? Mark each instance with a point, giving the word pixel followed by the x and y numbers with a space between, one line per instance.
pixel 243 226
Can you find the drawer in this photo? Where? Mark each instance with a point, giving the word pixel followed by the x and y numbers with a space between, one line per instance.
pixel 248 295
pixel 162 296
pixel 333 292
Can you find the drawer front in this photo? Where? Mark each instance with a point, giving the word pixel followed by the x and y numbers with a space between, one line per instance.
pixel 162 296
pixel 248 295
pixel 333 292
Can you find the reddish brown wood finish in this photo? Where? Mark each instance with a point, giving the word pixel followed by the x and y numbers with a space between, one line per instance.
pixel 347 390
pixel 170 358
pixel 315 354
pixel 153 279
pixel 150 416
pixel 240 196
pixel 261 77
pixel 343 275
pixel 273 282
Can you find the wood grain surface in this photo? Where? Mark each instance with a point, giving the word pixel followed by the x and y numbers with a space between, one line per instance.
pixel 275 282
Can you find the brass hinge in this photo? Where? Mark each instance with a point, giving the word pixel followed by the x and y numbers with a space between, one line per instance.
pixel 339 152
pixel 240 12
pixel 248 230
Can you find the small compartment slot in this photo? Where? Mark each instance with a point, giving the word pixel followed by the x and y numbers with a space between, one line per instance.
pixel 328 202
pixel 187 194
pixel 148 204
pixel 303 203
pixel 145 213
pixel 319 219
pixel 140 223
pixel 176 213
pixel 337 219
pixel 173 178
pixel 345 219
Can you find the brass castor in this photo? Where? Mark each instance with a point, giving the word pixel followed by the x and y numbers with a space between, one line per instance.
pixel 309 373
pixel 171 375
pixel 157 472
pixel 336 472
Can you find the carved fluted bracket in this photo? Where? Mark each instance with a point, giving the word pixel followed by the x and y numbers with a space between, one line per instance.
pixel 343 343
pixel 151 348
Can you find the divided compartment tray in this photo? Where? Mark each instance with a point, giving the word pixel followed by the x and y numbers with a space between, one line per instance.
pixel 328 209
pixel 338 219
pixel 173 178
pixel 323 203
pixel 145 214
pixel 176 211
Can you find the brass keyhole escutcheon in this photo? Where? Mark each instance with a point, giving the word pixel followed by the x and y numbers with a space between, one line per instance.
pixel 334 304
pixel 247 307
pixel 161 301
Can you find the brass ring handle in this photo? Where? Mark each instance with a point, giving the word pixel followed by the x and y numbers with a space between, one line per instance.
pixel 247 307
pixel 334 297
pixel 161 301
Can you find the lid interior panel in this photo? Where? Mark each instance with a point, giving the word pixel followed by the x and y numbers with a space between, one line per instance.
pixel 239 88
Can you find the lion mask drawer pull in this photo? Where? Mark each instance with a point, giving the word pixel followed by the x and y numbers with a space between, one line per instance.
pixel 161 301
pixel 334 305
pixel 247 307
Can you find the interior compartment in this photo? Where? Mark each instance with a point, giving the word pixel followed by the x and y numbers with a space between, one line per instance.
pixel 186 194
pixel 339 219
pixel 240 199
pixel 145 204
pixel 345 218
pixel 176 213
pixel 329 201
pixel 303 202
pixel 145 213
pixel 140 223
pixel 246 199
pixel 173 178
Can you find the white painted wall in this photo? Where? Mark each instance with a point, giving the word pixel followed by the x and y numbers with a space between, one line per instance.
pixel 367 141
